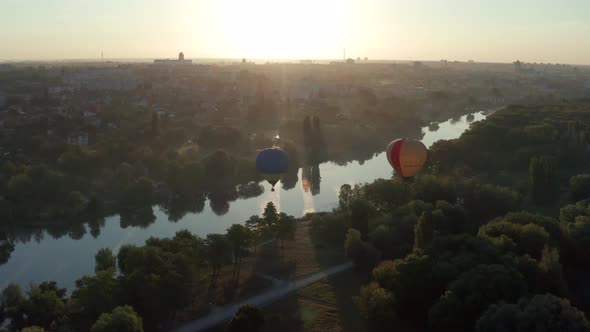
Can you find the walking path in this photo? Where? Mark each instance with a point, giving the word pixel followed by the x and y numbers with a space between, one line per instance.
pixel 276 292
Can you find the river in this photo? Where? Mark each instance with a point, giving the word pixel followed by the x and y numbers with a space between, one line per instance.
pixel 65 260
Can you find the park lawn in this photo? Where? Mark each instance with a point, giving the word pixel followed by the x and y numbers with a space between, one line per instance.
pixel 298 257
pixel 227 287
pixel 327 305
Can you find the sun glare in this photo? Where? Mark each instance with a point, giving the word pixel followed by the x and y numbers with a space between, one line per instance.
pixel 280 29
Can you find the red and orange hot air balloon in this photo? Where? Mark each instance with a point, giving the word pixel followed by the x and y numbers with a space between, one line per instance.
pixel 406 156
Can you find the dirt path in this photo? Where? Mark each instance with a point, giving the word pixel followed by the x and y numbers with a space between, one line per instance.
pixel 224 313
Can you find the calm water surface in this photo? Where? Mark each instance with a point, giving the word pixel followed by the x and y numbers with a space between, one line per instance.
pixel 65 260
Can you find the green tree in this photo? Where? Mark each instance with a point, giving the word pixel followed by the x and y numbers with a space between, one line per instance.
pixel 93 296
pixel 12 300
pixel 376 305
pixel 424 232
pixel 345 197
pixel 360 211
pixel 543 179
pixel 248 318
pixel 19 188
pixel 44 308
pixel 155 279
pixel 353 244
pixel 580 186
pixel 286 228
pixel 545 312
pixel 138 194
pixel 238 236
pixel 74 204
pixel 218 251
pixel 219 167
pixel 121 319
pixel 468 296
pixel 104 260
pixel 551 278
pixel 270 215
pixel 307 133
pixel 256 225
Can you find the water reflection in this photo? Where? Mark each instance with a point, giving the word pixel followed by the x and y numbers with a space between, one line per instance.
pixel 219 200
pixel 139 217
pixel 179 205
pixel 30 259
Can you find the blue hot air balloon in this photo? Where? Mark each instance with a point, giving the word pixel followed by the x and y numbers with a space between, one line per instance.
pixel 272 163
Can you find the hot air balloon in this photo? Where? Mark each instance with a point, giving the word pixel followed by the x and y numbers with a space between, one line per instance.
pixel 406 156
pixel 272 163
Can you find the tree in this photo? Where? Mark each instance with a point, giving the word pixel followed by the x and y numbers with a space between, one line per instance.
pixel 424 232
pixel 545 312
pixel 318 137
pixel 155 126
pixel 307 133
pixel 551 278
pixel 469 295
pixel 44 308
pixel 6 249
pixel 414 283
pixel 270 215
pixel 580 186
pixel 286 228
pixel 360 210
pixel 219 167
pixel 543 179
pixel 376 305
pixel 345 197
pixel 93 296
pixel 19 188
pixel 238 237
pixel 104 260
pixel 138 194
pixel 218 251
pixel 523 239
pixel 74 204
pixel 121 319
pixel 248 318
pixel 12 300
pixel 155 279
pixel 353 244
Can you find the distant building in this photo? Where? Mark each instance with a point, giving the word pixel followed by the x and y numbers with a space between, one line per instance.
pixel 80 138
pixel 121 79
pixel 172 62
pixel 517 66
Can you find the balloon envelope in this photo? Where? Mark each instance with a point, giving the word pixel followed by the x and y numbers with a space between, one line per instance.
pixel 272 163
pixel 406 156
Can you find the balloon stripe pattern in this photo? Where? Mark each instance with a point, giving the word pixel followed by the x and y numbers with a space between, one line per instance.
pixel 406 156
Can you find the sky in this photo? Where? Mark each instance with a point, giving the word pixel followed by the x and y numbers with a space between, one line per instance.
pixel 555 31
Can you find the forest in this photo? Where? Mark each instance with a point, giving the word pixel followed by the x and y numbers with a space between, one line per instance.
pixel 492 235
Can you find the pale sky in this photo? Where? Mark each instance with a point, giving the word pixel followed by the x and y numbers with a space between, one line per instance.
pixel 493 30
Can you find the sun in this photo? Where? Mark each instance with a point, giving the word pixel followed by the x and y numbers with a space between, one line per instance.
pixel 280 29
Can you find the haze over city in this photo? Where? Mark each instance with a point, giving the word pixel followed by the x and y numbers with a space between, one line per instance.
pixel 294 165
pixel 485 31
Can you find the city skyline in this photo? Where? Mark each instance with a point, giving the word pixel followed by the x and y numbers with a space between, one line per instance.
pixel 500 31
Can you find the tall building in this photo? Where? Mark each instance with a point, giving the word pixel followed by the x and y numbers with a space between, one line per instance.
pixel 172 62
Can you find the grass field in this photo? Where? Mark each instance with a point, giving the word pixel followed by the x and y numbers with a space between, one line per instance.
pixel 298 257
pixel 327 305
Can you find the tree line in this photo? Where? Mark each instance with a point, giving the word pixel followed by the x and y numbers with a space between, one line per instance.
pixel 140 288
